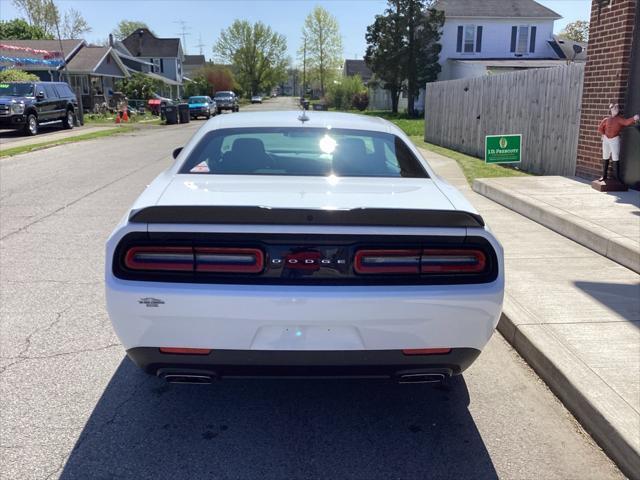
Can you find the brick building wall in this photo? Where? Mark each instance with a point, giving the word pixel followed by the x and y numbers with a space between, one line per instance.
pixel 606 76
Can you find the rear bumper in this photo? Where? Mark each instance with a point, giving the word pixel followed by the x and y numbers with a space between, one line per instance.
pixel 359 363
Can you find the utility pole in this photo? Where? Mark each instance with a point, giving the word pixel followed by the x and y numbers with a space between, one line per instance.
pixel 200 45
pixel 183 33
pixel 304 68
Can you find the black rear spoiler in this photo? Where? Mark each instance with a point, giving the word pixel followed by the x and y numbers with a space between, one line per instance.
pixel 292 216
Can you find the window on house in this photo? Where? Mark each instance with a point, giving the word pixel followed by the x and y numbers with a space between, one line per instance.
pixel 523 39
pixel 469 39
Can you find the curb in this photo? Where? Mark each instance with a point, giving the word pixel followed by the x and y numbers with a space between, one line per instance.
pixel 619 249
pixel 577 386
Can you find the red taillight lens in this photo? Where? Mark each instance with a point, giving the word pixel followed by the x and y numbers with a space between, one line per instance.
pixel 159 258
pixel 452 261
pixel 430 261
pixel 229 260
pixel 185 351
pixel 199 259
pixel 426 351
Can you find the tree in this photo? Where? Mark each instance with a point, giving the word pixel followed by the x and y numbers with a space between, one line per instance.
pixel 209 80
pixel 45 15
pixel 404 45
pixel 139 86
pixel 386 45
pixel 13 75
pixel 577 31
pixel 127 27
pixel 256 52
pixel 323 46
pixel 74 24
pixel 428 48
pixel 18 29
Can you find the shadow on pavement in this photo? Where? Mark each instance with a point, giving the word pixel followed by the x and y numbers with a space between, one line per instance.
pixel 43 131
pixel 145 428
pixel 622 298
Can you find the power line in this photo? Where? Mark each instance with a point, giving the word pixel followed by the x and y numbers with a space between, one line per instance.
pixel 200 45
pixel 184 29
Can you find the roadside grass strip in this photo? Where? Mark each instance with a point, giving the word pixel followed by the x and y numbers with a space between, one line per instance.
pixel 472 167
pixel 9 152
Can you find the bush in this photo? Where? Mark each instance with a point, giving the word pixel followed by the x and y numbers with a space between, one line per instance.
pixel 360 101
pixel 139 86
pixel 13 75
pixel 340 94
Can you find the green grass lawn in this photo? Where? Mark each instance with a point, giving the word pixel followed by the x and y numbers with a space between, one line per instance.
pixel 8 152
pixel 472 167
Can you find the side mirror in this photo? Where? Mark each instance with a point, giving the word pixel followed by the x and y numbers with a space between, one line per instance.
pixel 40 95
pixel 176 152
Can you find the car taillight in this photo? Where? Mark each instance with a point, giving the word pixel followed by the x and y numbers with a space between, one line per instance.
pixel 452 261
pixel 229 260
pixel 426 261
pixel 160 258
pixel 387 261
pixel 199 259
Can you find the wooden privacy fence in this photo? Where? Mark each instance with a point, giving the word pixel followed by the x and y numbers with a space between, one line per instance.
pixel 541 104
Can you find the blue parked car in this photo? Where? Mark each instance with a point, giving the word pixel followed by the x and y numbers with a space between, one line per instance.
pixel 202 106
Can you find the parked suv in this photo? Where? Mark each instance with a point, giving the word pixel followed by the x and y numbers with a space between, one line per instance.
pixel 27 105
pixel 226 100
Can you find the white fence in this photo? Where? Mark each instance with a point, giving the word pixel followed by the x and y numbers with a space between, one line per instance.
pixel 541 104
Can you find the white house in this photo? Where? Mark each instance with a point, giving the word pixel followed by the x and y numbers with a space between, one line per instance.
pixel 490 36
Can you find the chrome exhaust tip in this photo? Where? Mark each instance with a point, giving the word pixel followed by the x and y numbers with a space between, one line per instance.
pixel 193 377
pixel 422 378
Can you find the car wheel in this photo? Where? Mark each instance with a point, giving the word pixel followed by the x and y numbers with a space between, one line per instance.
pixel 69 120
pixel 31 127
pixel 208 115
pixel 219 111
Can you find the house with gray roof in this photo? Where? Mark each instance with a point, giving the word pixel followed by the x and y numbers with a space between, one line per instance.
pixel 492 36
pixel 165 55
pixel 47 71
pixel 92 73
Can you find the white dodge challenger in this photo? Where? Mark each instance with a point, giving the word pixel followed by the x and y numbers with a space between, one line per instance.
pixel 289 244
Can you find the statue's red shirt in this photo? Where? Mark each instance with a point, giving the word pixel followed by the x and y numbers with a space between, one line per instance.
pixel 612 126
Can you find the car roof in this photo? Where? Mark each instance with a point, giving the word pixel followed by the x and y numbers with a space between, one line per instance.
pixel 290 118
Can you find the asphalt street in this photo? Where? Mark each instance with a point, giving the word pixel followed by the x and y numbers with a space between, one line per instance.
pixel 72 406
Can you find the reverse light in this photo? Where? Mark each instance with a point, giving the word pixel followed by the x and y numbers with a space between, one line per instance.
pixel 160 258
pixel 452 261
pixel 387 261
pixel 229 260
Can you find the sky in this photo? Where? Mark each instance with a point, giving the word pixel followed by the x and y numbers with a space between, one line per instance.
pixel 204 19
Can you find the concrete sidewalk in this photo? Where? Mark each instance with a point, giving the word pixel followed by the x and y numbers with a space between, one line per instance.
pixel 607 223
pixel 574 316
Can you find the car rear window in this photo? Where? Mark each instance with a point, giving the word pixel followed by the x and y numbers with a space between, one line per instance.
pixel 303 151
pixel 193 100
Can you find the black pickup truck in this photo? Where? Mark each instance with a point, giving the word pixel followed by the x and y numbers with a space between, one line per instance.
pixel 27 105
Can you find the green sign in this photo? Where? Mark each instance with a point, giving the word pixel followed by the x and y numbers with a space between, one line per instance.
pixel 503 148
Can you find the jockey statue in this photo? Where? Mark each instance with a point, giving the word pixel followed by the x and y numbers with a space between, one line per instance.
pixel 610 128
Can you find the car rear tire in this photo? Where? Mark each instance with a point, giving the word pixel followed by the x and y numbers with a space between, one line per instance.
pixel 69 120
pixel 31 127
